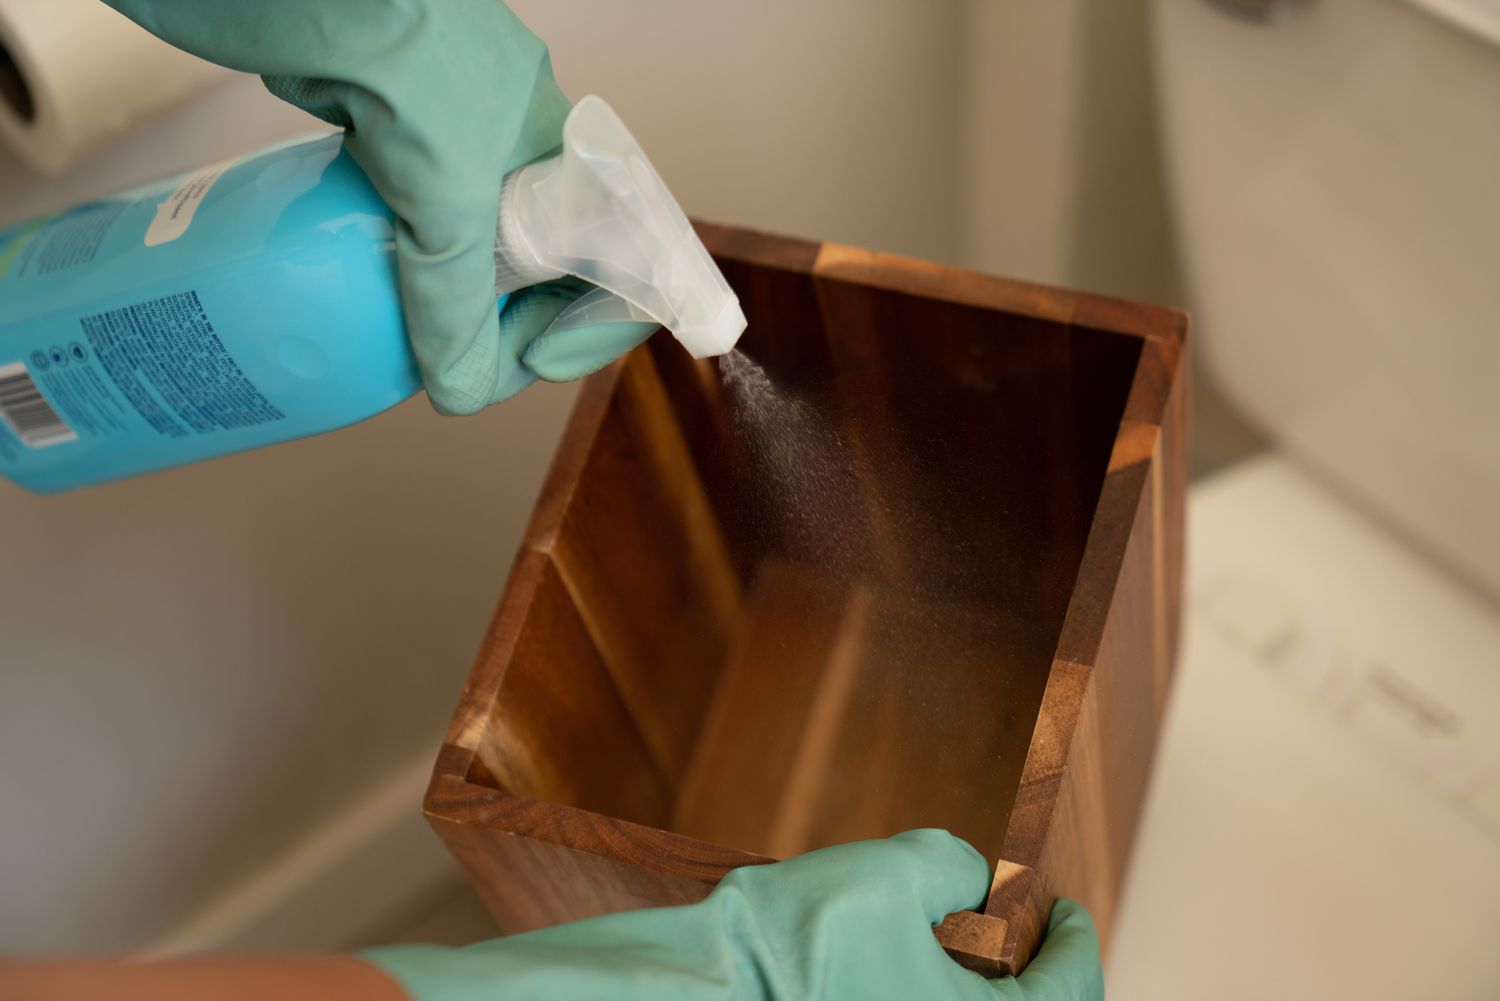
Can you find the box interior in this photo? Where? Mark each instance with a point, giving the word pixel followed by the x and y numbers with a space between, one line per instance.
pixel 810 593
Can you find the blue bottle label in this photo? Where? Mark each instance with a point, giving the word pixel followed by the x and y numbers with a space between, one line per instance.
pixel 237 306
pixel 66 242
pixel 165 360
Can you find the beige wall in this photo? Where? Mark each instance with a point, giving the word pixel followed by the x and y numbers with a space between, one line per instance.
pixel 1013 136
pixel 1061 176
pixel 831 119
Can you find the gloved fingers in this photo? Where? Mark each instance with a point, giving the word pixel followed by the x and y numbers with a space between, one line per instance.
pixel 1066 967
pixel 468 358
pixel 592 331
pixel 559 330
pixel 440 100
pixel 931 869
pixel 927 871
pixel 946 872
pixel 495 366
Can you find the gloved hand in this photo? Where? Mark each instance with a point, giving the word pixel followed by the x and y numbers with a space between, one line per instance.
pixel 441 98
pixel 850 923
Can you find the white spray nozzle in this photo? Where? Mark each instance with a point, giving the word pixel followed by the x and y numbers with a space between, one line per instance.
pixel 599 211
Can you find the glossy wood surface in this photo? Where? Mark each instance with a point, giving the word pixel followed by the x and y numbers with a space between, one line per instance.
pixel 913 560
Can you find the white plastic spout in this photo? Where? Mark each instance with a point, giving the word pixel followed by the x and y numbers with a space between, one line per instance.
pixel 599 211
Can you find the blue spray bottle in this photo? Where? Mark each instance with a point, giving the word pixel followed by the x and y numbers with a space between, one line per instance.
pixel 256 301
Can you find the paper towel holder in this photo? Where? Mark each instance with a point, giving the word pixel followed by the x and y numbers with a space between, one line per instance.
pixel 14 91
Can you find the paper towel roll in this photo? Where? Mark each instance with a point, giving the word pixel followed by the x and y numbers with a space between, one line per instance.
pixel 75 74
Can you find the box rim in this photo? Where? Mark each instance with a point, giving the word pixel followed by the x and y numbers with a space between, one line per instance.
pixel 1135 459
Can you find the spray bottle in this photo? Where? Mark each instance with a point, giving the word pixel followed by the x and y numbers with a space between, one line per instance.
pixel 256 301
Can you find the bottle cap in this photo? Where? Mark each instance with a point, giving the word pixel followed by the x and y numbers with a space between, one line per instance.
pixel 599 211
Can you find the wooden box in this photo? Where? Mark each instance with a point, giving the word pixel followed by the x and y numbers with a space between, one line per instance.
pixel 912 559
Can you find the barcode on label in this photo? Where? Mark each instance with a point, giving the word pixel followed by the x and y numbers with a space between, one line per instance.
pixel 26 410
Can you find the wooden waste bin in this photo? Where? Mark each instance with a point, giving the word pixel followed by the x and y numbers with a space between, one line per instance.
pixel 911 559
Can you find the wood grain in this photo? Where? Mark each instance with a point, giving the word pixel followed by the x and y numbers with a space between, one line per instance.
pixel 964 616
pixel 646 565
pixel 753 736
pixel 560 730
pixel 1086 772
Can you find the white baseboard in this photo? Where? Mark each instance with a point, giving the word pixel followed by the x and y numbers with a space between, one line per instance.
pixel 359 872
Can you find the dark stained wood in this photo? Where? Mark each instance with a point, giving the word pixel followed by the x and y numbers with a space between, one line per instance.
pixel 560 730
pixel 932 581
pixel 940 696
pixel 638 513
pixel 975 941
pixel 830 692
pixel 752 741
pixel 1086 772
pixel 1017 912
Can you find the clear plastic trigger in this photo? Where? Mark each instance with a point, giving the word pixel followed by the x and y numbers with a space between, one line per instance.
pixel 599 306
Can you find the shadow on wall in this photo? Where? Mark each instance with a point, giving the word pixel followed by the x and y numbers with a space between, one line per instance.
pixel 1121 239
pixel 201 664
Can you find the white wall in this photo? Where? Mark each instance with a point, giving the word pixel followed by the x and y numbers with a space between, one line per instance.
pixel 201 669
pixel 833 119
pixel 1061 174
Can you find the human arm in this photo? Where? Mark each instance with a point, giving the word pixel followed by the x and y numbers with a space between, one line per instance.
pixel 222 978
pixel 850 923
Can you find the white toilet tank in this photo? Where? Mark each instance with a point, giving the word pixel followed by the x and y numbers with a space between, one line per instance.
pixel 1334 168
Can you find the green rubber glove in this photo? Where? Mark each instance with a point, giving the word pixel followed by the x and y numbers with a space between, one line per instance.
pixel 851 923
pixel 440 98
